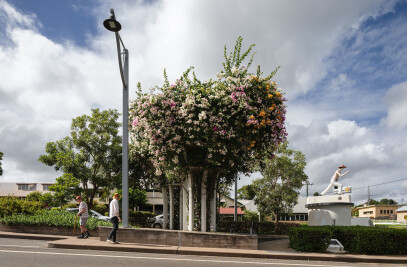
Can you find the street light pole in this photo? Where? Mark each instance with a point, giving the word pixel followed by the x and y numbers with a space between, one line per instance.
pixel 113 25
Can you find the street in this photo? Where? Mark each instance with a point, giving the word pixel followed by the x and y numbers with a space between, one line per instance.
pixel 24 252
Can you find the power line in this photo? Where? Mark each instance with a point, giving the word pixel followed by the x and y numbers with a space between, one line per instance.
pixel 380 184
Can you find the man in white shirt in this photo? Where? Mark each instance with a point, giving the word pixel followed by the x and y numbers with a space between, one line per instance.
pixel 114 218
pixel 84 216
pixel 334 180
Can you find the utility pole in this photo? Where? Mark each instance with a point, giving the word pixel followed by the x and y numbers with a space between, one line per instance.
pixel 307 183
pixel 368 195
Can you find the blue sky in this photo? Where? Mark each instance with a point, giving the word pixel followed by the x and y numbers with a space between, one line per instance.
pixel 343 68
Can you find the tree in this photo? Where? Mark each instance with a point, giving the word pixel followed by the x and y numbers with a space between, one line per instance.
pixel 283 176
pixel 387 201
pixel 47 199
pixel 137 197
pixel 92 153
pixel 34 196
pixel 316 194
pixel 372 202
pixel 246 192
pixel 1 158
pixel 209 131
pixel 66 188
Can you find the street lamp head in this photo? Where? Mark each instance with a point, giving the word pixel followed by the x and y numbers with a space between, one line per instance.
pixel 112 24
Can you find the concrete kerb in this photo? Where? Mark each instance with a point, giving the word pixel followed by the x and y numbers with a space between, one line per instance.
pixel 67 242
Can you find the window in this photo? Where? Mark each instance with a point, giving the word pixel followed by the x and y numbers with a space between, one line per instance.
pixel 388 211
pixel 381 211
pixel 45 187
pixel 23 187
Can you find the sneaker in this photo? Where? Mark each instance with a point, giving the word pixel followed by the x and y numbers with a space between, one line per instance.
pixel 116 242
pixel 111 242
pixel 108 240
pixel 81 236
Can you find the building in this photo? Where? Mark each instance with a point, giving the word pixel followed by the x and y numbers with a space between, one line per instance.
pixel 228 213
pixel 402 214
pixel 299 213
pixel 378 211
pixel 21 190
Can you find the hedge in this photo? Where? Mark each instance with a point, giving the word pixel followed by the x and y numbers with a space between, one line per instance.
pixel 310 239
pixel 14 205
pixel 262 228
pixel 50 218
pixel 355 239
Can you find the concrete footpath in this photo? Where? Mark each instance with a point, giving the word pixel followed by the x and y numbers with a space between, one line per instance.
pixel 93 243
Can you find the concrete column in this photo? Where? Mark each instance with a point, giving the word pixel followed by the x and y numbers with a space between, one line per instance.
pixel 203 200
pixel 191 202
pixel 171 191
pixel 184 205
pixel 165 207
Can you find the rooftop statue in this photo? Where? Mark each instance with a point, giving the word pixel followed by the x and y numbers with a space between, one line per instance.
pixel 334 180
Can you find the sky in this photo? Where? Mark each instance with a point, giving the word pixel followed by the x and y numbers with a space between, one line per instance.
pixel 343 69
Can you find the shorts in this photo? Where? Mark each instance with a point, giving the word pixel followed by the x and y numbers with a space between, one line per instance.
pixel 83 220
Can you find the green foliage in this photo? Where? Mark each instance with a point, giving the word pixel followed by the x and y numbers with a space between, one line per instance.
pixel 372 202
pixel 283 176
pixel 13 205
pixel 264 228
pixel 66 187
pixel 100 208
pixel 251 216
pixel 34 196
pixel 355 239
pixel 246 192
pixel 140 217
pixel 92 153
pixel 51 217
pixel 70 206
pixel 137 197
pixel 47 199
pixel 310 239
pixel 387 201
pixel 316 194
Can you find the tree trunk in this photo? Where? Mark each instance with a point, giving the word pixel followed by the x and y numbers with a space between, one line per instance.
pixel 203 200
pixel 165 206
pixel 171 191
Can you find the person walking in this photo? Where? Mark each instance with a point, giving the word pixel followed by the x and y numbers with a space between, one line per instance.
pixel 114 218
pixel 84 216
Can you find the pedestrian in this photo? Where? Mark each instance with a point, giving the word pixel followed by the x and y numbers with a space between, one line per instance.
pixel 114 218
pixel 84 216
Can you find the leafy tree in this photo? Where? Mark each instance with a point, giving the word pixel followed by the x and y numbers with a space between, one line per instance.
pixel 316 194
pixel 1 158
pixel 283 176
pixel 137 197
pixel 387 201
pixel 66 188
pixel 246 192
pixel 47 199
pixel 92 153
pixel 372 202
pixel 34 196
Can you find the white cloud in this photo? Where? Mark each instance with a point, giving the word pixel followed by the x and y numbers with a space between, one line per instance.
pixel 44 84
pixel 396 100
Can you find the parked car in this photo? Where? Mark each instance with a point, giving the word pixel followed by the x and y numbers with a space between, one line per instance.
pixel 92 213
pixel 157 221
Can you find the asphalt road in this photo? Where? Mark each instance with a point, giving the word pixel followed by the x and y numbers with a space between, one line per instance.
pixel 24 252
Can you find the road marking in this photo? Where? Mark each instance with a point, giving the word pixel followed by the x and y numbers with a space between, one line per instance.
pixel 169 259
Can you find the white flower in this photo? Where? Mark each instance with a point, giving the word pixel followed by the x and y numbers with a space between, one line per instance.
pixel 235 70
pixel 202 115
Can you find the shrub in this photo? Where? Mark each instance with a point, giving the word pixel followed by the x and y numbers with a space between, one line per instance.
pixel 14 205
pixel 355 239
pixel 100 208
pixel 34 196
pixel 50 218
pixel 310 239
pixel 70 206
pixel 264 228
pixel 140 217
